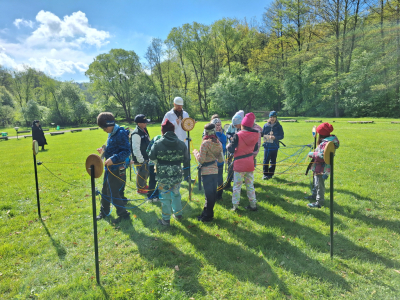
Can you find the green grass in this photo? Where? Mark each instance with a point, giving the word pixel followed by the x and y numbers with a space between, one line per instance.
pixel 281 251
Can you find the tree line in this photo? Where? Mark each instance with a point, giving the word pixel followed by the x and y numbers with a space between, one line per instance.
pixel 307 57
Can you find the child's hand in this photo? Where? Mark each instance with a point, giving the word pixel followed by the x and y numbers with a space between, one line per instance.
pixel 109 162
pixel 100 150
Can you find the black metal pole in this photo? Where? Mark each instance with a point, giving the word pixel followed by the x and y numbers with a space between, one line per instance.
pixel 190 177
pixel 130 172
pixel 37 186
pixel 96 246
pixel 331 203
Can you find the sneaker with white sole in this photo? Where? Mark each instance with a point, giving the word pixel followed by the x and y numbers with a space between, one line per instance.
pixel 164 222
pixel 317 204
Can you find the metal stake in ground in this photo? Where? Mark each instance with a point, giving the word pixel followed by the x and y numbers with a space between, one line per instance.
pixel 94 166
pixel 329 152
pixel 331 202
pixel 190 173
pixel 188 125
pixel 35 149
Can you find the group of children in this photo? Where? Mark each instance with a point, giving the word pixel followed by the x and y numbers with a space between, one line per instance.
pixel 242 141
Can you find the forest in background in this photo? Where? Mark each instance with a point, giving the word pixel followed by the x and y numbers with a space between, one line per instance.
pixel 305 58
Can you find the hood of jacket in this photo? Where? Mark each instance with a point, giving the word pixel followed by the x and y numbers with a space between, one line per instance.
pixel 170 139
pixel 333 139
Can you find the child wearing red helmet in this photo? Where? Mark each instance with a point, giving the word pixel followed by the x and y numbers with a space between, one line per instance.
pixel 320 168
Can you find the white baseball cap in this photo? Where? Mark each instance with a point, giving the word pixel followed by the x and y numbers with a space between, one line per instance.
pixel 178 101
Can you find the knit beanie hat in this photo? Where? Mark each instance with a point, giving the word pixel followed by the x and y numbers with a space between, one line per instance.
pixel 273 114
pixel 215 121
pixel 325 129
pixel 238 117
pixel 248 120
pixel 167 126
pixel 209 129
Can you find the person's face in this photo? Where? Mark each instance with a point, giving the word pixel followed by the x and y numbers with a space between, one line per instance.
pixel 108 129
pixel 37 124
pixel 178 107
pixel 238 126
pixel 142 125
pixel 218 127
pixel 272 120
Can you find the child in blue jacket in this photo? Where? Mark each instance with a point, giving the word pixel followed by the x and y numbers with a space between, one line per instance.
pixel 222 138
pixel 115 153
pixel 272 133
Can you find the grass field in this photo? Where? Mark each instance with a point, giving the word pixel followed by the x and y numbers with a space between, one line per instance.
pixel 279 252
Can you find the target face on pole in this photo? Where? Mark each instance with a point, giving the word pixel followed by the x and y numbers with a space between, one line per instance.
pixel 35 147
pixel 329 148
pixel 226 126
pixel 97 162
pixel 314 131
pixel 188 124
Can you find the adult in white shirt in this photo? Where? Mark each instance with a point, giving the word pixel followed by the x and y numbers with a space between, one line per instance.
pixel 175 116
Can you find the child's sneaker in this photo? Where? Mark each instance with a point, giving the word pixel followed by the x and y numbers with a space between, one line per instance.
pixel 121 218
pixel 235 207
pixel 251 208
pixel 315 205
pixel 178 217
pixel 164 222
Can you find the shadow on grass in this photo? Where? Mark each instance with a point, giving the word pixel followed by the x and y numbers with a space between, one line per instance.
pixel 317 240
pixel 288 256
pixel 228 257
pixel 61 251
pixel 103 290
pixel 161 253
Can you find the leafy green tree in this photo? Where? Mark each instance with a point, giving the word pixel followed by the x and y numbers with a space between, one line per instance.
pixel 5 97
pixel 31 111
pixel 236 90
pixel 114 75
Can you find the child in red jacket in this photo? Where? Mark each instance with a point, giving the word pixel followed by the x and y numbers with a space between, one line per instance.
pixel 243 144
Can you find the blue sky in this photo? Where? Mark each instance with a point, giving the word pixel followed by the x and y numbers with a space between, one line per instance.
pixel 62 38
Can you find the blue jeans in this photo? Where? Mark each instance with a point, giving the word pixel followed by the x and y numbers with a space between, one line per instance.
pixel 269 163
pixel 170 201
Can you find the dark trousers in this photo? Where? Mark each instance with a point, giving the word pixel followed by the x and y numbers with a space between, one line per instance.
pixel 152 193
pixel 210 183
pixel 220 182
pixel 230 169
pixel 269 159
pixel 112 187
pixel 186 171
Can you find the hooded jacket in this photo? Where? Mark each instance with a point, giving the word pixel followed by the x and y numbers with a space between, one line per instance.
pixel 277 130
pixel 243 143
pixel 118 148
pixel 319 166
pixel 170 152
pixel 222 138
pixel 38 135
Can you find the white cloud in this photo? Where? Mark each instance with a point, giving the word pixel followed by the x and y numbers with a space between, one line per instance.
pixel 19 22
pixel 55 46
pixel 5 60
pixel 57 67
pixel 73 31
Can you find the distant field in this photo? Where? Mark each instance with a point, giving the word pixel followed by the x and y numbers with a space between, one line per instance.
pixel 281 251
